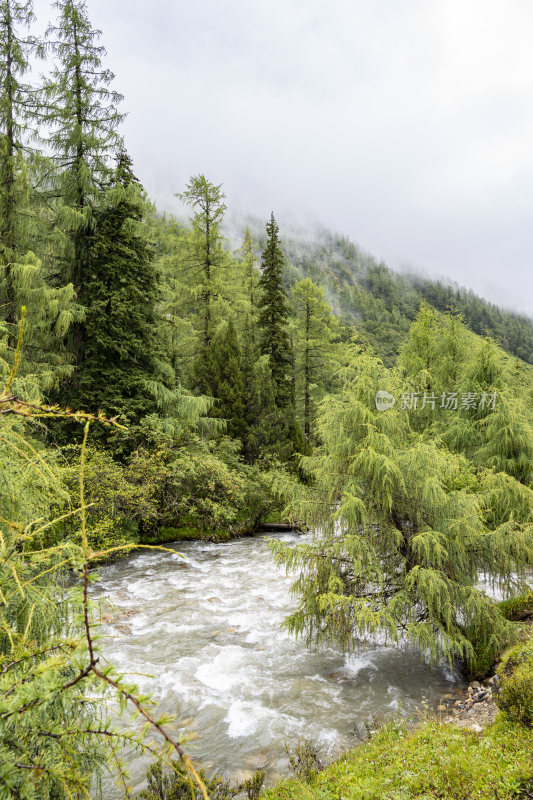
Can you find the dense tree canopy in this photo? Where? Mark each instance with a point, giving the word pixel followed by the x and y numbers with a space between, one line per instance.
pixel 219 386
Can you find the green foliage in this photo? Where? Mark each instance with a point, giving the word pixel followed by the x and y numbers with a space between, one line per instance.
pixel 118 505
pixel 202 486
pixel 82 118
pixel 412 524
pixel 434 760
pixel 185 533
pixel 515 690
pixel 205 258
pixel 174 785
pixel 517 608
pixel 220 374
pixel 273 317
pixel 216 373
pixel 23 278
pixel 81 121
pixel 17 102
pixel 121 355
pixel 315 329
pixel 56 739
pixel 304 762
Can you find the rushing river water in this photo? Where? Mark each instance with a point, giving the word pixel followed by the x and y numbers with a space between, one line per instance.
pixel 207 629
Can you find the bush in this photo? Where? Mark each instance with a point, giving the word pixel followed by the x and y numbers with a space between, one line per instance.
pixel 206 489
pixel 517 608
pixel 166 784
pixel 515 694
pixel 304 762
pixel 117 504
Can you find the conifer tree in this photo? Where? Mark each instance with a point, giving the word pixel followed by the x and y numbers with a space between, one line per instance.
pixel 249 289
pixel 273 317
pixel 314 331
pixel 206 258
pixel 223 377
pixel 400 554
pixel 15 103
pixel 258 398
pixel 178 317
pixel 22 277
pixel 83 121
pixel 120 358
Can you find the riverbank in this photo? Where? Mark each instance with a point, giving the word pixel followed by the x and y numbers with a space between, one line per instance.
pixel 435 760
pixel 188 533
pixel 471 750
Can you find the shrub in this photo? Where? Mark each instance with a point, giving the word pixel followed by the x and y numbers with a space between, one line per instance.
pixel 515 695
pixel 517 608
pixel 304 762
pixel 171 784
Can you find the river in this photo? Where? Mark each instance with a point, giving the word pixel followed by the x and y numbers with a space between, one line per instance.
pixel 207 629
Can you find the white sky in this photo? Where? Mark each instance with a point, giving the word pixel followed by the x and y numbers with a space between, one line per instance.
pixel 406 125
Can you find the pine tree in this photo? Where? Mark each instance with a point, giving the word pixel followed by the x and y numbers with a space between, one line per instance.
pixel 273 317
pixel 120 358
pixel 223 379
pixel 83 121
pixel 314 332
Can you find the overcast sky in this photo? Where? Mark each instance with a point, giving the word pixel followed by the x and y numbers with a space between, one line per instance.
pixel 406 125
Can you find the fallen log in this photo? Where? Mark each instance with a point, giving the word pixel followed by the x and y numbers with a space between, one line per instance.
pixel 273 527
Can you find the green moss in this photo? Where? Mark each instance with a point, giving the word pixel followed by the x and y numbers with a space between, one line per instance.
pixel 433 761
pixel 185 532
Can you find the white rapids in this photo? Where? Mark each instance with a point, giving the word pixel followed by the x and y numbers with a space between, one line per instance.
pixel 204 635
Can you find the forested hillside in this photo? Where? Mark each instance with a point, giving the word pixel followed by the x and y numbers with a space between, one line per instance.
pixel 158 384
pixel 383 303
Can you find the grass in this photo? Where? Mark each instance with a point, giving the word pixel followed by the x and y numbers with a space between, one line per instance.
pixel 433 761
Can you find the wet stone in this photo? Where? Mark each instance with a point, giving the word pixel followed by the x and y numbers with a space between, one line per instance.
pixel 339 676
pixel 123 628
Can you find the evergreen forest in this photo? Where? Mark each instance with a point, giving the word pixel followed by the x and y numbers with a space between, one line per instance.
pixel 161 380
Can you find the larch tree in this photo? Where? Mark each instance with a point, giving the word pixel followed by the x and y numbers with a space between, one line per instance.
pixel 248 280
pixel 206 257
pixel 406 527
pixel 16 102
pixel 22 278
pixel 314 331
pixel 82 119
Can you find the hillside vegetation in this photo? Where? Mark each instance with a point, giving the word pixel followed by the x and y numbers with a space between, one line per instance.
pixel 157 384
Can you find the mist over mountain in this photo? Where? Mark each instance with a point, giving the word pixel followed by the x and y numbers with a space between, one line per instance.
pixel 380 301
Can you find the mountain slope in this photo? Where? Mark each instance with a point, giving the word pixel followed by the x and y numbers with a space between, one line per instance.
pixel 383 303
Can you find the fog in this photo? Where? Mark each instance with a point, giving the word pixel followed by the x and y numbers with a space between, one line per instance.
pixel 406 126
